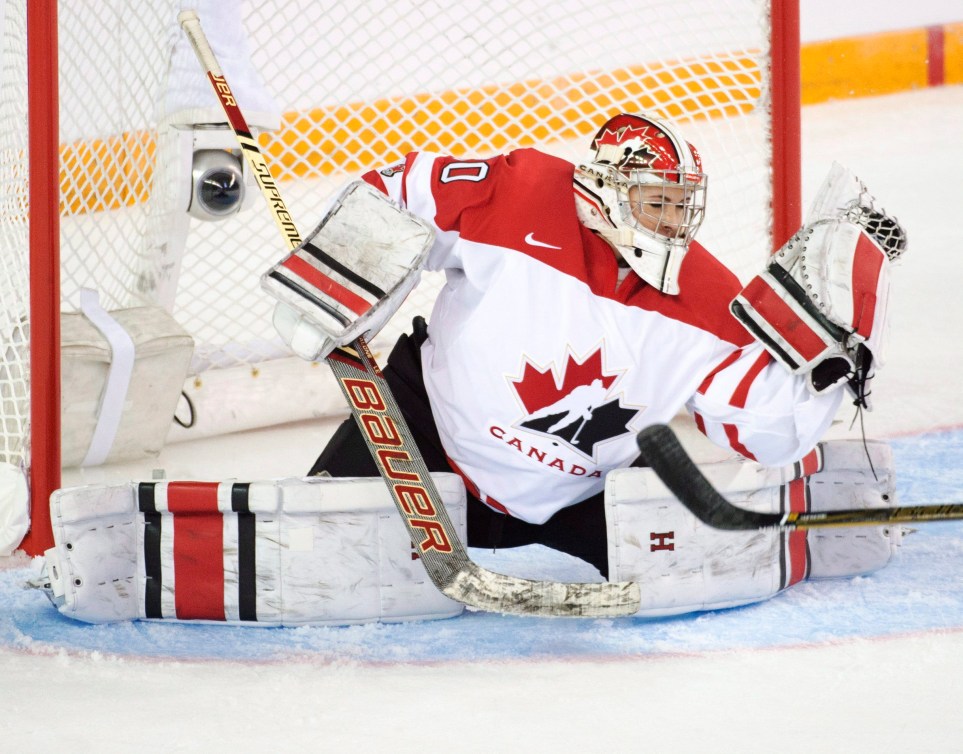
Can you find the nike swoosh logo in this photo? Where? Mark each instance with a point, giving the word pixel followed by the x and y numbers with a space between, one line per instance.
pixel 530 240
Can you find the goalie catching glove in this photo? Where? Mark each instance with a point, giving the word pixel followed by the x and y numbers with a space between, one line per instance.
pixel 820 306
pixel 350 274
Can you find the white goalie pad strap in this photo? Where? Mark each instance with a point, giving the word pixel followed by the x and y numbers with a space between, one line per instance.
pixel 119 373
pixel 274 553
pixel 683 565
pixel 356 268
pixel 826 291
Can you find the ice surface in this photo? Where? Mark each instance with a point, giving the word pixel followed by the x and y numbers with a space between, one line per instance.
pixel 869 664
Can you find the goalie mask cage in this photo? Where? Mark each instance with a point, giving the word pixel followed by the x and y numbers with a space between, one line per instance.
pixel 97 135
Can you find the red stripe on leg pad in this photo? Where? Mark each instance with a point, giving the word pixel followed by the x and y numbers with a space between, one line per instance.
pixel 326 285
pixel 798 557
pixel 198 550
pixel 192 497
pixel 812 462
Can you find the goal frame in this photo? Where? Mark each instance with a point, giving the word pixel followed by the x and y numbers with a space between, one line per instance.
pixel 43 125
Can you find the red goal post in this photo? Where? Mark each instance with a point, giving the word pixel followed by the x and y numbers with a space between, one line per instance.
pixel 335 89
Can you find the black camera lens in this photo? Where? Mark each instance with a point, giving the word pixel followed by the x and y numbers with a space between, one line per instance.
pixel 220 191
pixel 218 184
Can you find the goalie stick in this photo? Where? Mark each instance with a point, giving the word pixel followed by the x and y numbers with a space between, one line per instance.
pixel 402 467
pixel 662 451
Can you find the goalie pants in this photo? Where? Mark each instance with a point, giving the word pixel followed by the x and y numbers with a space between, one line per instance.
pixel 577 530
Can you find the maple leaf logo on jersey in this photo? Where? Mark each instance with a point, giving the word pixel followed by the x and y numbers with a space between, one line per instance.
pixel 578 409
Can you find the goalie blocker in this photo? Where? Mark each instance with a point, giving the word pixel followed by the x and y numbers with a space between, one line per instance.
pixel 335 551
pixel 350 274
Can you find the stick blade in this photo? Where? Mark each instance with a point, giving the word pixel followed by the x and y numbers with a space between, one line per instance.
pixel 496 592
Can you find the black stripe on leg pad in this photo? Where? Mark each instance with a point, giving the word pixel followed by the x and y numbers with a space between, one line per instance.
pixel 246 551
pixel 153 581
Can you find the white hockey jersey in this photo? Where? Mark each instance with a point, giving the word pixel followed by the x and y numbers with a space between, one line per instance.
pixel 541 367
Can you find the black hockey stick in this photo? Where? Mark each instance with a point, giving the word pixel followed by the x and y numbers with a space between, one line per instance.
pixel 442 553
pixel 662 451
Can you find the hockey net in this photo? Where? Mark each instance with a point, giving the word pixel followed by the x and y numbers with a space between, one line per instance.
pixel 336 89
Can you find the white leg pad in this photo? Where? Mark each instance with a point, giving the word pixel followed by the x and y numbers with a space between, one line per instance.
pixel 684 566
pixel 275 553
pixel 846 481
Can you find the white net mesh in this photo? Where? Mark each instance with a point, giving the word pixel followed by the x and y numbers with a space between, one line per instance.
pixel 14 299
pixel 356 85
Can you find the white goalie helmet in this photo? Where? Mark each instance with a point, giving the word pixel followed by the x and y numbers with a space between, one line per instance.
pixel 642 188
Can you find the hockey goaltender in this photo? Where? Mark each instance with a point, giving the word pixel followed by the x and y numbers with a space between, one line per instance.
pixel 578 309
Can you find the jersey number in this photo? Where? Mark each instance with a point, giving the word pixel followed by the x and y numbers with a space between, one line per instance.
pixel 464 171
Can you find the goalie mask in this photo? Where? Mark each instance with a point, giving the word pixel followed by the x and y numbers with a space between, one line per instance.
pixel 642 188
